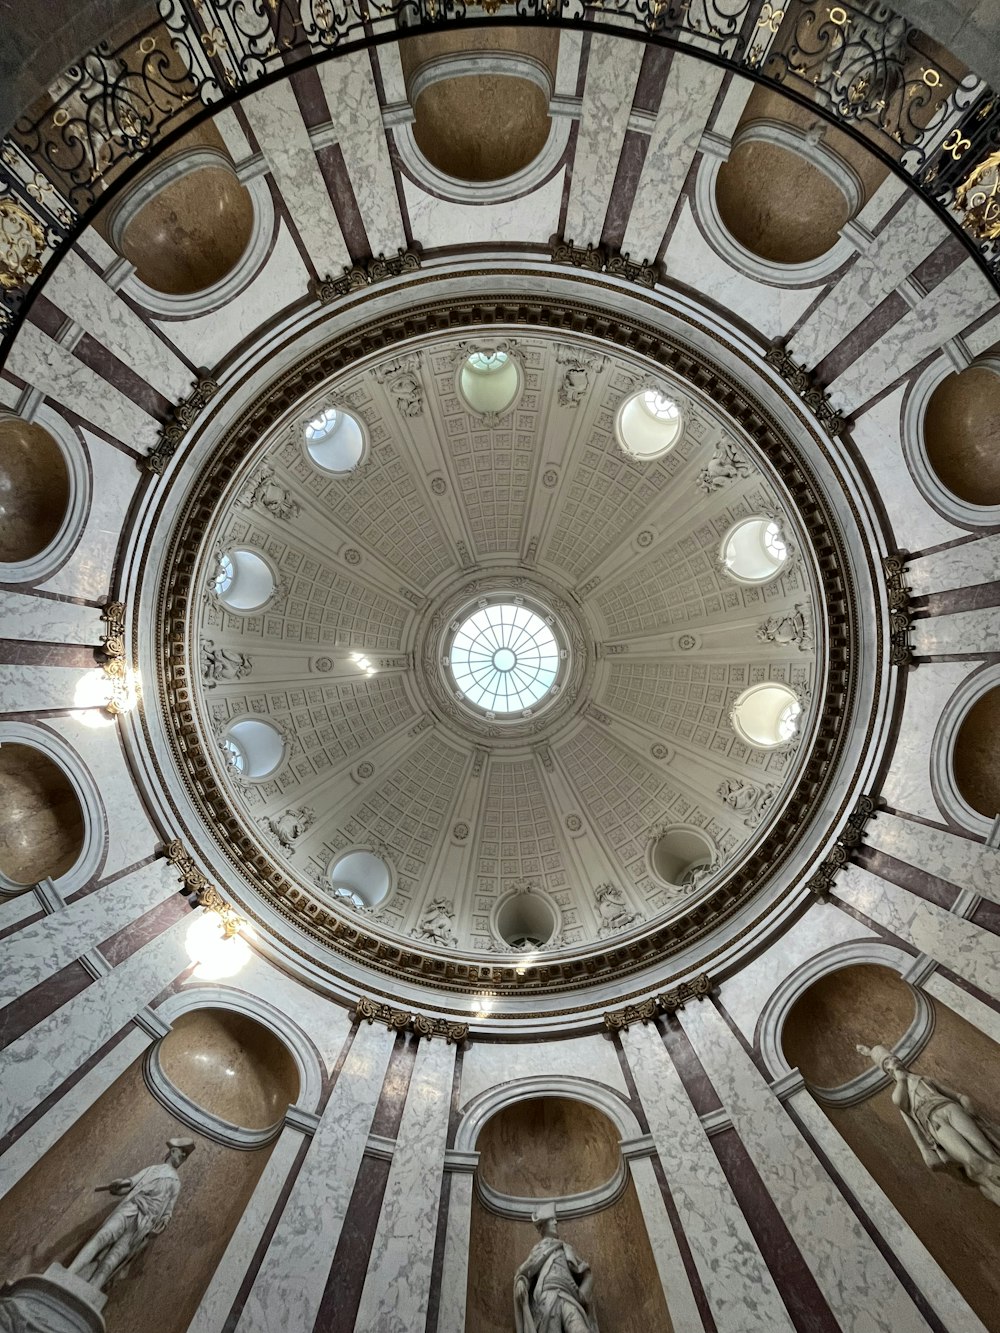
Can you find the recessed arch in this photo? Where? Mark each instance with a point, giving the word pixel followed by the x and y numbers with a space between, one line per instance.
pixel 52 821
pixel 964 775
pixel 44 494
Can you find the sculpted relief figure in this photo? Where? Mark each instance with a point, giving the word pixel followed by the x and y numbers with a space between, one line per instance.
pixel 747 799
pixel 553 1288
pixel 287 828
pixel 945 1125
pixel 726 465
pixel 145 1210
pixel 787 627
pixel 272 496
pixel 437 922
pixel 219 664
pixel 614 910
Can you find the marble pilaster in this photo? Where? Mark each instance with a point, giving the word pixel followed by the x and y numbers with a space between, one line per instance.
pixel 354 108
pixel 738 1286
pixel 277 123
pixel 908 783
pixel 681 1303
pixel 290 1284
pixel 963 566
pixel 964 948
pixel 33 1066
pixel 455 1271
pixel 927 1275
pixel 857 1283
pixel 612 72
pixel 397 1288
pixel 35 1142
pixel 954 304
pixel 974 1011
pixel 687 101
pixel 57 373
pixel 961 632
pixel 212 1313
pixel 37 951
pixel 960 861
pixel 48 621
pixel 906 240
pixel 83 294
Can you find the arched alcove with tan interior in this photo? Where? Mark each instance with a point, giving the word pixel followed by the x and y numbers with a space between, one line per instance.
pixel 34 489
pixel 54 1209
pixel 41 820
pixel 186 223
pixel 962 432
pixel 481 99
pixel 975 755
pixel 866 1005
pixel 546 1148
pixel 791 182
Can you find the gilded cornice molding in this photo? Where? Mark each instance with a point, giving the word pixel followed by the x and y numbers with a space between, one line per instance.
pixel 366 273
pixel 821 881
pixel 402 1020
pixel 111 656
pixel 182 418
pixel 898 597
pixel 668 1002
pixel 599 259
pixel 198 888
pixel 802 383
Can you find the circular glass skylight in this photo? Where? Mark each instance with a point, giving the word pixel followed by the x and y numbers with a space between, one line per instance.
pixel 754 550
pixel 334 441
pixel 504 658
pixel 648 424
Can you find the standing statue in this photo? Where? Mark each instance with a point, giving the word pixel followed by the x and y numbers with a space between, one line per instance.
pixel 144 1212
pixel 946 1126
pixel 553 1288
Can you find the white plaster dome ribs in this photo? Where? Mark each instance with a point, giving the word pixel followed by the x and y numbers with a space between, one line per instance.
pixel 539 505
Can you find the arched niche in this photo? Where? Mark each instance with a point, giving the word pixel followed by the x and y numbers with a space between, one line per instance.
pixel 868 1005
pixel 962 432
pixel 54 1208
pixel 42 828
pixel 543 1148
pixel 34 489
pixel 974 758
pixel 789 185
pixel 230 1066
pixel 480 102
pixel 187 222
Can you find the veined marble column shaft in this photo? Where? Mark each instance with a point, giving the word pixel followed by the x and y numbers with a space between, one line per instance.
pixel 681 1303
pixel 859 1286
pixel 292 1278
pixel 397 1288
pixel 937 1288
pixel 455 1270
pixel 738 1285
pixel 211 1315
pixel 35 1064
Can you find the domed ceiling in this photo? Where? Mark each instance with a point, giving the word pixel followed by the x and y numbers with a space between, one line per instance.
pixel 630 793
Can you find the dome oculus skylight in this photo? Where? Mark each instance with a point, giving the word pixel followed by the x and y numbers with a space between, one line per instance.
pixel 504 658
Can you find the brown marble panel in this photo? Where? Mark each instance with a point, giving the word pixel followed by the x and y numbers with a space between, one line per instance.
pixel 124 943
pixel 950 1216
pixel 34 489
pixel 976 747
pixel 49 1214
pixel 614 1242
pixel 481 128
pixel 41 823
pixel 547 1147
pixel 230 1065
pixel 29 652
pixel 389 1111
pixel 860 1004
pixel 962 434
pixel 921 882
pixel 697 1084
pixel 339 1307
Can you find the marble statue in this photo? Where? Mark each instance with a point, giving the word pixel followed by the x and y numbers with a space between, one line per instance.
pixel 553 1288
pixel 144 1212
pixel 945 1125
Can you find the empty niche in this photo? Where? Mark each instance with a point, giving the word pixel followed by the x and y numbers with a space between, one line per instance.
pixel 41 820
pixel 962 433
pixel 34 489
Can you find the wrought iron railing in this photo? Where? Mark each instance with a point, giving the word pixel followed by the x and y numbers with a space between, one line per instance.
pixel 859 65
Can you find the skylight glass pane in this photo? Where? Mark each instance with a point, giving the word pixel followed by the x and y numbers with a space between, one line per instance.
pixel 504 658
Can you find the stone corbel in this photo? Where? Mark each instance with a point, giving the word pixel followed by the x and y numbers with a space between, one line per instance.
pixel 821 881
pixel 600 260
pixel 800 380
pixel 898 598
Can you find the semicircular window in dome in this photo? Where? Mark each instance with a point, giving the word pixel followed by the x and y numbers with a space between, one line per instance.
pixel 504 658
pixel 648 424
pixel 334 440
pixel 360 878
pixel 253 748
pixel 243 581
pixel 754 550
pixel 489 380
pixel 767 715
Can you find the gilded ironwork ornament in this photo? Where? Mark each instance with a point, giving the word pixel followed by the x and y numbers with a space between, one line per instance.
pixel 22 243
pixel 978 197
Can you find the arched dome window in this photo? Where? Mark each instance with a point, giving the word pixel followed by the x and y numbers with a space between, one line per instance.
pixel 334 441
pixel 243 580
pixel 526 921
pixel 648 424
pixel 489 380
pixel 676 855
pixel 754 550
pixel 360 878
pixel 766 716
pixel 253 748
